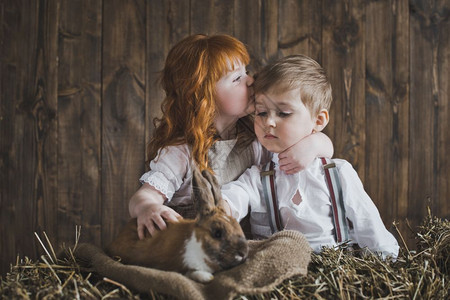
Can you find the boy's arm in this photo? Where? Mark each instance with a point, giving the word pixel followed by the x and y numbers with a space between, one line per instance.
pixel 369 229
pixel 241 193
pixel 300 155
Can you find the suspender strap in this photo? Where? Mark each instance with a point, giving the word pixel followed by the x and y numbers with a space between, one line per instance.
pixel 270 197
pixel 337 200
pixel 334 186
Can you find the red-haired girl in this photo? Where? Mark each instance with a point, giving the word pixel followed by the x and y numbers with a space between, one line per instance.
pixel 206 118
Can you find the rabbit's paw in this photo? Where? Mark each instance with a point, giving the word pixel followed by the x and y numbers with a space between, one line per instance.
pixel 200 276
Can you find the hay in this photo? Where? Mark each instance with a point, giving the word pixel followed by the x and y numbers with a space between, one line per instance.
pixel 334 273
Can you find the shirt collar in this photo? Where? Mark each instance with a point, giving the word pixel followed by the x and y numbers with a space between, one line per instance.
pixel 275 159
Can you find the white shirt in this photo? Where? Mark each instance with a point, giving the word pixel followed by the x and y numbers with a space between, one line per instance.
pixel 313 215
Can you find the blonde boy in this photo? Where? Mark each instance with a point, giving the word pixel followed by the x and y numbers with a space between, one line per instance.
pixel 293 96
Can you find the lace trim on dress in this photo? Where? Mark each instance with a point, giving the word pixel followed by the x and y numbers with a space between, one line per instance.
pixel 159 182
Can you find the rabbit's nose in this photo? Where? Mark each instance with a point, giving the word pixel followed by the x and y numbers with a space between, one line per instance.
pixel 241 256
pixel 242 250
pixel 238 258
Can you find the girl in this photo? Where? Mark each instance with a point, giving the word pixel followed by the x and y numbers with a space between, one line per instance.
pixel 206 119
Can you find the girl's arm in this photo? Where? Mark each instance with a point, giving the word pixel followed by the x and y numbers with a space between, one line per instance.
pixel 147 206
pixel 158 186
pixel 301 154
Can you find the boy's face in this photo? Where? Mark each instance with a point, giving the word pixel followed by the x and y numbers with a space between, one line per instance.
pixel 281 120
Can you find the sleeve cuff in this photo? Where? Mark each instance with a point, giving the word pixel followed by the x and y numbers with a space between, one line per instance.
pixel 159 182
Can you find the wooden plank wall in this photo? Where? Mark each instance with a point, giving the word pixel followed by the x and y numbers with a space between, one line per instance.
pixel 79 92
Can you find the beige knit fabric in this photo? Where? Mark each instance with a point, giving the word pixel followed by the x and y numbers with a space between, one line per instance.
pixel 270 261
pixel 228 161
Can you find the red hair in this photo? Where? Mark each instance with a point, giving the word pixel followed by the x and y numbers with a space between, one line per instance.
pixel 192 69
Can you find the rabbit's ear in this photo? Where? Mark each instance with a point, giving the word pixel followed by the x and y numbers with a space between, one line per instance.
pixel 202 195
pixel 215 188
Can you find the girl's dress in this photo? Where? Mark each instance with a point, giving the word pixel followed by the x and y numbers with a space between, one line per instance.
pixel 171 172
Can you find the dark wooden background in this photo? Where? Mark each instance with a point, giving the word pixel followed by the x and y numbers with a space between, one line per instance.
pixel 78 93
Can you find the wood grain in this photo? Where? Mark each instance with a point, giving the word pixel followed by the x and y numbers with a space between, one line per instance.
pixel 422 118
pixel 79 120
pixel 387 107
pixel 163 16
pixel 28 141
pixel 211 17
pixel 269 30
pixel 301 28
pixel 123 108
pixel 247 28
pixel 342 55
pixel 429 106
pixel 442 86
pixel 79 91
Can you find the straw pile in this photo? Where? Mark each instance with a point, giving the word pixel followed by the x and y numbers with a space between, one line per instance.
pixel 334 273
pixel 340 274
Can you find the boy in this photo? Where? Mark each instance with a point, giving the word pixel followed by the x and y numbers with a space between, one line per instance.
pixel 326 201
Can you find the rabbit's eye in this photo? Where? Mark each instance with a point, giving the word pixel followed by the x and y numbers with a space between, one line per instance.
pixel 217 233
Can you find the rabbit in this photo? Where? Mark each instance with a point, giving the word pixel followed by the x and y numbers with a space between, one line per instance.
pixel 197 248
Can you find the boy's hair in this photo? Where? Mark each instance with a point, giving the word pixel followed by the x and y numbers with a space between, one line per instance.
pixel 296 72
pixel 191 71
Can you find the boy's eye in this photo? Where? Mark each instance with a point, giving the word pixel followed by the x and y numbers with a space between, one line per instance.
pixel 261 113
pixel 284 114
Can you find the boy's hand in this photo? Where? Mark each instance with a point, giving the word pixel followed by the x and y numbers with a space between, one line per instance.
pixel 154 217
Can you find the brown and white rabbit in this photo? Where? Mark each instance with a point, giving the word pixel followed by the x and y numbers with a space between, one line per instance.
pixel 197 248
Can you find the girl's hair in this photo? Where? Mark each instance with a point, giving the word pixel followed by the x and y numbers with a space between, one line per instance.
pixel 296 72
pixel 192 69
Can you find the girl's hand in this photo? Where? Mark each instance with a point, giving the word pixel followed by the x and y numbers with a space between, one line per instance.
pixel 300 155
pixel 154 217
pixel 147 206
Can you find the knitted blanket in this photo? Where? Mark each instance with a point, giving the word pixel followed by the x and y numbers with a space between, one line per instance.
pixel 270 261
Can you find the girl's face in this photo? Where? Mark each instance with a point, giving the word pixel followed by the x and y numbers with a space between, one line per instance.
pixel 233 93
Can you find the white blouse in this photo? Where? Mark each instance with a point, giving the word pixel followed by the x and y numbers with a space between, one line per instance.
pixel 313 215
pixel 171 172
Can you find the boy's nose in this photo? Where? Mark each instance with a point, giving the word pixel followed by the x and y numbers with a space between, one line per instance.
pixel 270 122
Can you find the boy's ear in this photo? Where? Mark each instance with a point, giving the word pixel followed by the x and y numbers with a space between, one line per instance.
pixel 321 120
